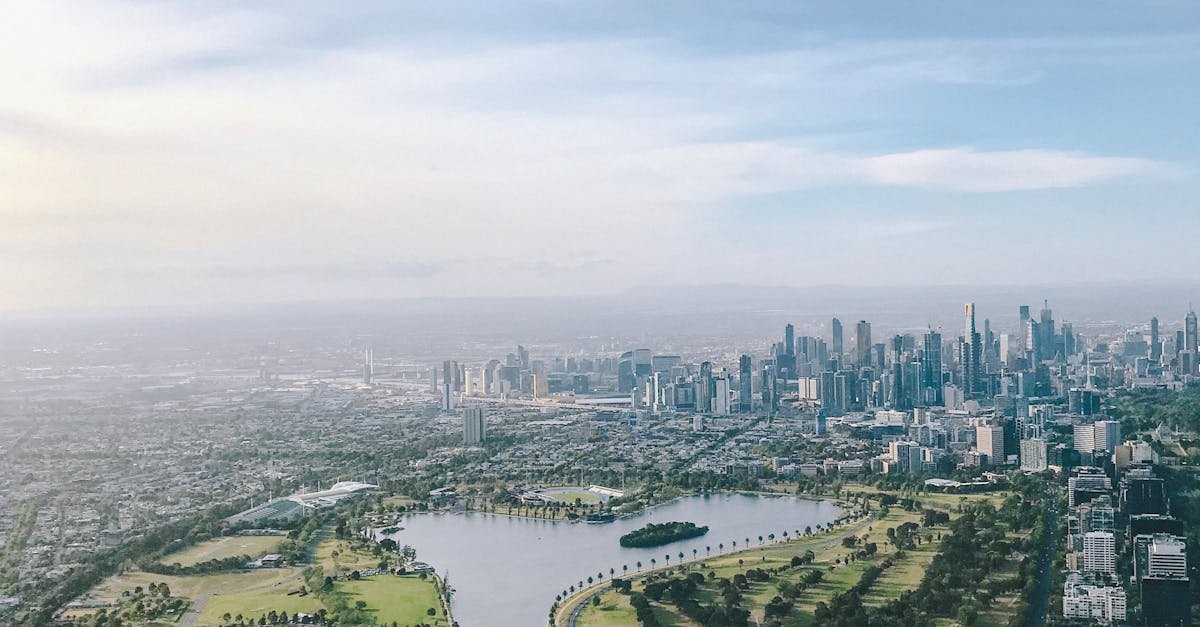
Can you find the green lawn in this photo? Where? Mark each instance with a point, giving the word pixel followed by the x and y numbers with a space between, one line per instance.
pixel 403 600
pixel 614 611
pixel 221 548
pixel 256 603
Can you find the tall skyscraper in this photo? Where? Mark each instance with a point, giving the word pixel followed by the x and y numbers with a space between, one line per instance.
pixel 449 374
pixel 989 440
pixel 838 346
pixel 1189 332
pixel 1155 342
pixel 474 425
pixel 932 358
pixel 745 389
pixel 972 355
pixel 368 366
pixel 862 343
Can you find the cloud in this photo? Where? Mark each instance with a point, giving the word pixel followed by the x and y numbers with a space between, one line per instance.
pixel 964 169
pixel 217 144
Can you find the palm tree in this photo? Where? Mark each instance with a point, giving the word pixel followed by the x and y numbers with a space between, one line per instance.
pixel 668 556
pixel 611 572
pixel 721 547
pixel 708 550
pixel 695 553
pixel 639 565
pixel 653 562
pixel 760 539
pixel 624 568
pixel 681 554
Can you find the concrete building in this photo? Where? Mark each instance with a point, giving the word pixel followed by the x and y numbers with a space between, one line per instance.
pixel 474 425
pixel 1099 552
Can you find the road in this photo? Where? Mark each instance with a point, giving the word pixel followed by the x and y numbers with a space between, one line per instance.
pixel 1039 606
pixel 581 601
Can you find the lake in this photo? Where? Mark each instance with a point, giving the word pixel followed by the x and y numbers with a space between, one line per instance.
pixel 506 571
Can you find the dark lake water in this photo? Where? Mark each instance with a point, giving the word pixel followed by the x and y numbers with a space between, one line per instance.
pixel 506 571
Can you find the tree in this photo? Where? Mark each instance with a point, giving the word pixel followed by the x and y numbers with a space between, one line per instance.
pixel 431 612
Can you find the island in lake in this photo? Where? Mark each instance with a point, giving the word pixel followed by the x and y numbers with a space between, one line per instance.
pixel 660 534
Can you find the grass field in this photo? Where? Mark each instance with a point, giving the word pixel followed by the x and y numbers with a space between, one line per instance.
pixel 346 558
pixel 194 587
pixel 905 573
pixel 403 600
pixel 221 548
pixel 569 496
pixel 254 604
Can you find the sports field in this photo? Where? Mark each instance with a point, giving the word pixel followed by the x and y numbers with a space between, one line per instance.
pixel 221 548
pixel 403 600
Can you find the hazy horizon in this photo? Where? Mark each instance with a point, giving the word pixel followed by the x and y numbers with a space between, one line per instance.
pixel 210 153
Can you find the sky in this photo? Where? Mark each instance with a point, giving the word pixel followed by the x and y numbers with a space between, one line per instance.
pixel 156 153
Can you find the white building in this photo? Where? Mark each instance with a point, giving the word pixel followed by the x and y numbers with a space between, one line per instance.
pixel 989 440
pixel 1099 552
pixel 1167 557
pixel 1088 596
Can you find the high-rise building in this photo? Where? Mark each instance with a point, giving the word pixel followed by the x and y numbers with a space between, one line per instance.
pixel 368 366
pixel 1155 342
pixel 932 360
pixel 474 425
pixel 1033 455
pixel 745 385
pixel 1099 552
pixel 1106 435
pixel 449 374
pixel 1166 602
pixel 989 440
pixel 838 346
pixel 972 355
pixel 862 343
pixel 1167 557
pixel 1189 332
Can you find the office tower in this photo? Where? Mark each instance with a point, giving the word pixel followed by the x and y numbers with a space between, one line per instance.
pixel 522 357
pixel 720 400
pixel 837 339
pixel 745 385
pixel 1085 438
pixel 704 390
pixel 1144 495
pixel 625 377
pixel 541 387
pixel 1033 455
pixel 789 340
pixel 1189 332
pixel 932 360
pixel 368 366
pixel 1046 330
pixel 1167 557
pixel 770 397
pixel 1155 342
pixel 862 343
pixel 1166 602
pixel 433 386
pixel 1106 435
pixel 474 425
pixel 1023 327
pixel 819 426
pixel 989 440
pixel 1099 552
pixel 449 374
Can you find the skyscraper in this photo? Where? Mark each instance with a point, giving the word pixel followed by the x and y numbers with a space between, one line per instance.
pixel 449 374
pixel 474 425
pixel 972 355
pixel 932 360
pixel 838 346
pixel 745 390
pixel 1189 332
pixel 368 366
pixel 862 343
pixel 1155 342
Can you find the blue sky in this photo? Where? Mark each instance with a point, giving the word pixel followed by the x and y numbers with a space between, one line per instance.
pixel 192 152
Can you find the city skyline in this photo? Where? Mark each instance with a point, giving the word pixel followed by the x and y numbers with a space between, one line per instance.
pixel 215 153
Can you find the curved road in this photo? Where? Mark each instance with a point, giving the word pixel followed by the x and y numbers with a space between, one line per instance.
pixel 581 601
